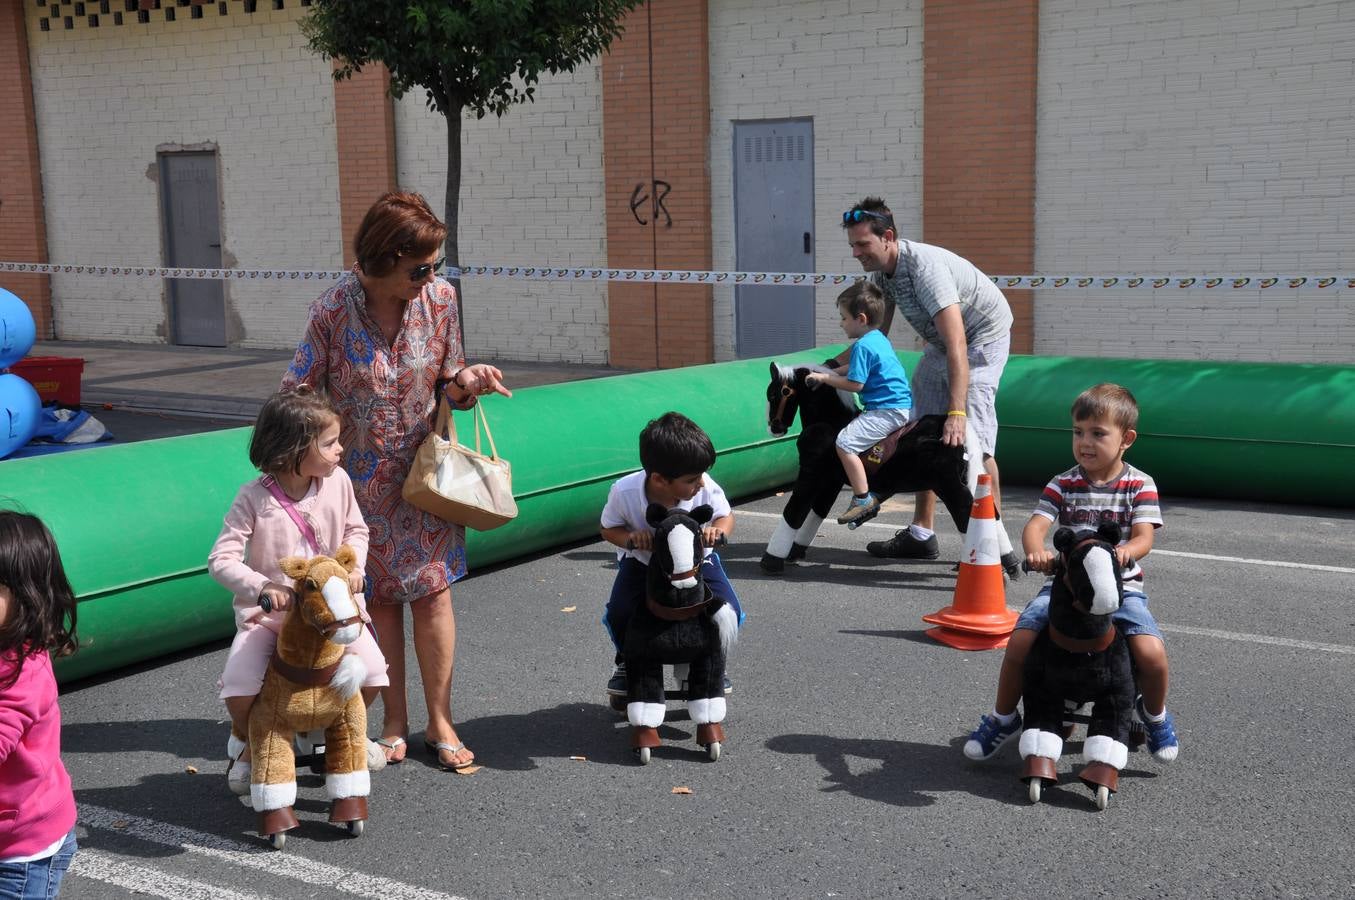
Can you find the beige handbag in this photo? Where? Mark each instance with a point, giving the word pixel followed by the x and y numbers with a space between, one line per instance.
pixel 458 484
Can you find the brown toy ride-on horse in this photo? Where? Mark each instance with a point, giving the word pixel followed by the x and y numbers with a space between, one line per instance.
pixel 312 684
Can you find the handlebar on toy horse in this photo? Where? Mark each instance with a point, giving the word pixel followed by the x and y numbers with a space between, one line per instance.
pixel 719 542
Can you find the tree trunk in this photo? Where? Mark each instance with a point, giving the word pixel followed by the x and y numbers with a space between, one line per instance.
pixel 452 208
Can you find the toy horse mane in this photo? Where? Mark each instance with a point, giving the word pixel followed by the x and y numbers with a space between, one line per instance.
pixel 1087 585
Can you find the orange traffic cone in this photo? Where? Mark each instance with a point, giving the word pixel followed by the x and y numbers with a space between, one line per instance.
pixel 978 617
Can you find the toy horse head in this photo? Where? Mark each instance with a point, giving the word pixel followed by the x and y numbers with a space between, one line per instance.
pixel 1087 583
pixel 787 393
pixel 323 598
pixel 677 542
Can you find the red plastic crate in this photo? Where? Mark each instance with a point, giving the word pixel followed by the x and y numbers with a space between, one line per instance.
pixel 55 377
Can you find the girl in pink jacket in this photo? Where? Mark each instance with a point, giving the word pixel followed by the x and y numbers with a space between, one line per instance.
pixel 303 505
pixel 37 619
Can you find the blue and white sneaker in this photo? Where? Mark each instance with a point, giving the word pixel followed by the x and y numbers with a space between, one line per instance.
pixel 1161 735
pixel 860 510
pixel 989 737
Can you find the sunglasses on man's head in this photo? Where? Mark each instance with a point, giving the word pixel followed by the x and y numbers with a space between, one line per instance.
pixel 853 216
pixel 419 273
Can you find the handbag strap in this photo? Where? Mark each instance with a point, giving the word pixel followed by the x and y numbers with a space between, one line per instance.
pixel 481 420
pixel 286 503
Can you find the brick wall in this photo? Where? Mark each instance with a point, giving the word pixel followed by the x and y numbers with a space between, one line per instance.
pixel 855 69
pixel 364 116
pixel 531 192
pixel 23 235
pixel 979 165
pixel 1190 138
pixel 656 110
pixel 109 98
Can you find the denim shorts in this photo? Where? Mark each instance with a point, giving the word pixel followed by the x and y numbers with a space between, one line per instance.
pixel 1132 618
pixel 39 879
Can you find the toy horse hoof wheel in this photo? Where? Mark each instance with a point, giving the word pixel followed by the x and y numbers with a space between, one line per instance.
pixel 1036 789
pixel 713 751
pixel 278 841
pixel 355 827
pixel 643 753
pixel 1102 797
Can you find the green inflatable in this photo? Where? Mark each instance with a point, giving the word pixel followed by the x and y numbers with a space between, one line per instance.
pixel 135 522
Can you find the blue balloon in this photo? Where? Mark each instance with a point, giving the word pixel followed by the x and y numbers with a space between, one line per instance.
pixel 17 331
pixel 20 412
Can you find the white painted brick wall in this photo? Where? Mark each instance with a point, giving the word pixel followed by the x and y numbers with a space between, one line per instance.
pixel 855 67
pixel 106 98
pixel 1188 138
pixel 532 193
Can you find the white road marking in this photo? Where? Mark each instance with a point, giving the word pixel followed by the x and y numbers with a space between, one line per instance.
pixel 97 865
pixel 1258 638
pixel 1190 629
pixel 1277 563
pixel 254 856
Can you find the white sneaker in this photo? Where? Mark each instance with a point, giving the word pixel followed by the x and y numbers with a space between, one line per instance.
pixel 238 772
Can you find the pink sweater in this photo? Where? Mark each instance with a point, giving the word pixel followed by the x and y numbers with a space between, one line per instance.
pixel 36 804
pixel 258 532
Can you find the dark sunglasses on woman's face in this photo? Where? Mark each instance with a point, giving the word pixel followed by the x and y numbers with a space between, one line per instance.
pixel 853 216
pixel 419 273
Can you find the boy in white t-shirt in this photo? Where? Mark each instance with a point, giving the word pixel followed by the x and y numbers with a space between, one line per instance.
pixel 675 453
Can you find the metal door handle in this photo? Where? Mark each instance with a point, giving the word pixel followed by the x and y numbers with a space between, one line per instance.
pixel 218 246
pixel 807 242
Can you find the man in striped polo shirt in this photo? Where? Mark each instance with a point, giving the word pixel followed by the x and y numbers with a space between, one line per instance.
pixel 965 324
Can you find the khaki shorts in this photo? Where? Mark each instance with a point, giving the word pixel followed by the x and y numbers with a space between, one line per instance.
pixel 931 386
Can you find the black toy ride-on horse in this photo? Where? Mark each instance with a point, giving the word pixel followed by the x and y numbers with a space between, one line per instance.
pixel 920 461
pixel 1080 657
pixel 680 622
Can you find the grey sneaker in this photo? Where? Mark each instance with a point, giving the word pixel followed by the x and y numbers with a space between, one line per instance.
pixel 904 546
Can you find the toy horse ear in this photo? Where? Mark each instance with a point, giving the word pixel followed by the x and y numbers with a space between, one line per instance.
pixel 702 514
pixel 776 370
pixel 1064 539
pixel 655 513
pixel 293 566
pixel 347 557
pixel 1110 533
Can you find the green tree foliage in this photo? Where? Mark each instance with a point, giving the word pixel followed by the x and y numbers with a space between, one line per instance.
pixel 480 55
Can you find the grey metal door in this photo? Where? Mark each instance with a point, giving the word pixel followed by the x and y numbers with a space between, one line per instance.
pixel 192 234
pixel 773 232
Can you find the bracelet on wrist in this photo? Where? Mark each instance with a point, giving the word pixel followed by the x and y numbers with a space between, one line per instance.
pixel 957 412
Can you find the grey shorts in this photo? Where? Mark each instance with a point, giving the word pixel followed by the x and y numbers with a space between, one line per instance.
pixel 931 386
pixel 871 427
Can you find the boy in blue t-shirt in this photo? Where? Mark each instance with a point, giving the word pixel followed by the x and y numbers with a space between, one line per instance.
pixel 873 371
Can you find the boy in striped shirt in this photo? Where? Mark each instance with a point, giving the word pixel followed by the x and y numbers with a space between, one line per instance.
pixel 1101 487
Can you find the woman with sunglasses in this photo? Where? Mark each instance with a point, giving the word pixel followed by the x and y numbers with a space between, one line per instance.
pixel 385 344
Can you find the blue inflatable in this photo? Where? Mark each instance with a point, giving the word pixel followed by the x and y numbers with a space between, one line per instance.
pixel 20 413
pixel 17 331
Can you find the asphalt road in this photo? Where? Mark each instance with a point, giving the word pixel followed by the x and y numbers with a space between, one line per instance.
pixel 842 774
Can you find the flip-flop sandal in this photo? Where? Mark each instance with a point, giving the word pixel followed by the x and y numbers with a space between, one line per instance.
pixel 392 744
pixel 435 750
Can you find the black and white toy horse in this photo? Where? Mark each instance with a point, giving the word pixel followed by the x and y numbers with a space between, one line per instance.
pixel 921 461
pixel 680 622
pixel 1078 658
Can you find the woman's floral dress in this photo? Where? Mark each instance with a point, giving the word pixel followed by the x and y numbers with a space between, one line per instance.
pixel 385 397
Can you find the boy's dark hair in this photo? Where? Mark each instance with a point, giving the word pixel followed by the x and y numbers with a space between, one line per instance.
pixel 1108 401
pixel 863 297
pixel 673 445
pixel 288 424
pixel 883 218
pixel 42 605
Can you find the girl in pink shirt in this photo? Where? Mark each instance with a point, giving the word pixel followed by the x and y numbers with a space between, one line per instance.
pixel 37 619
pixel 303 505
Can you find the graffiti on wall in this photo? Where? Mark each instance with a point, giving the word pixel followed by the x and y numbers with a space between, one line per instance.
pixel 649 198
